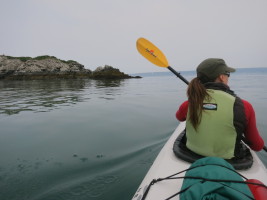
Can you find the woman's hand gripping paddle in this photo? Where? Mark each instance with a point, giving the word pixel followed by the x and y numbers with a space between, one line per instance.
pixel 154 55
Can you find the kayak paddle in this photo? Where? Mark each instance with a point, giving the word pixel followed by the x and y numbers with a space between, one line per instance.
pixel 155 55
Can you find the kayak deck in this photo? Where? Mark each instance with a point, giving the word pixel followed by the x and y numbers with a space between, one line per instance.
pixel 167 164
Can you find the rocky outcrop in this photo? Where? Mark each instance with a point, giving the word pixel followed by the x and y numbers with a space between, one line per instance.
pixel 39 68
pixel 47 67
pixel 108 72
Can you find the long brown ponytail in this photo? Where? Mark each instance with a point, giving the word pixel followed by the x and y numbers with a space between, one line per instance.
pixel 196 93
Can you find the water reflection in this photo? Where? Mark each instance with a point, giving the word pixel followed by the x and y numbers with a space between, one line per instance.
pixel 109 89
pixel 109 83
pixel 46 95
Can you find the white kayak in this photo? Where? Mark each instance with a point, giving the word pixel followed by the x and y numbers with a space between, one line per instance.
pixel 167 164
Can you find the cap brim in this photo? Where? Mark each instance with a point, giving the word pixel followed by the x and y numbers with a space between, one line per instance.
pixel 230 69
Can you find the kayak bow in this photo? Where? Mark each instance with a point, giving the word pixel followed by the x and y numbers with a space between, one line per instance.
pixel 167 164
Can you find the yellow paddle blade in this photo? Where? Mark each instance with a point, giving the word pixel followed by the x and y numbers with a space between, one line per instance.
pixel 151 52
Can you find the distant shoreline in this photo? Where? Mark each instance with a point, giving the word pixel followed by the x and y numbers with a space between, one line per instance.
pixel 192 72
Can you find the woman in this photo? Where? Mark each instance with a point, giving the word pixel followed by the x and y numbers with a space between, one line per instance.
pixel 216 119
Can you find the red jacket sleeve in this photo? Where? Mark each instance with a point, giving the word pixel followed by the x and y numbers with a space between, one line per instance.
pixel 252 134
pixel 182 111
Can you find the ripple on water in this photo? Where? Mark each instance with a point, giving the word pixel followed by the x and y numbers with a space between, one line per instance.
pixel 91 189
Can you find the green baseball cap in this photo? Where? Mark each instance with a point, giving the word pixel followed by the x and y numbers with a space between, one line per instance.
pixel 211 68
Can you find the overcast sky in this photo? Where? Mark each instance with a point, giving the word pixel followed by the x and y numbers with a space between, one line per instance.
pixel 104 32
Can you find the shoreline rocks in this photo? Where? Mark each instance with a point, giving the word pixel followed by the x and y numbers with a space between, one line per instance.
pixel 50 67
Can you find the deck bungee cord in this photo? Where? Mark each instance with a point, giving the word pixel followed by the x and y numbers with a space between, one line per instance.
pixel 221 181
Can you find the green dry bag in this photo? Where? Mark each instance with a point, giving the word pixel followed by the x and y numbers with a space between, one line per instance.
pixel 213 178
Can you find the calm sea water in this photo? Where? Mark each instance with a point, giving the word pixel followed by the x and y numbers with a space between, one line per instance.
pixel 90 139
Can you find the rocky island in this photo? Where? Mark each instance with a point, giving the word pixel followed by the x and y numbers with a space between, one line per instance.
pixel 50 67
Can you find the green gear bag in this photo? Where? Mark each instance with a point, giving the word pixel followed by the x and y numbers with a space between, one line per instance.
pixel 214 171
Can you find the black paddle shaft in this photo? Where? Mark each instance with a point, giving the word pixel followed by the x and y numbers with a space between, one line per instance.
pixel 178 75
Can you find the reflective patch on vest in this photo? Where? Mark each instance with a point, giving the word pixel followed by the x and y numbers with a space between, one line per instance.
pixel 210 106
